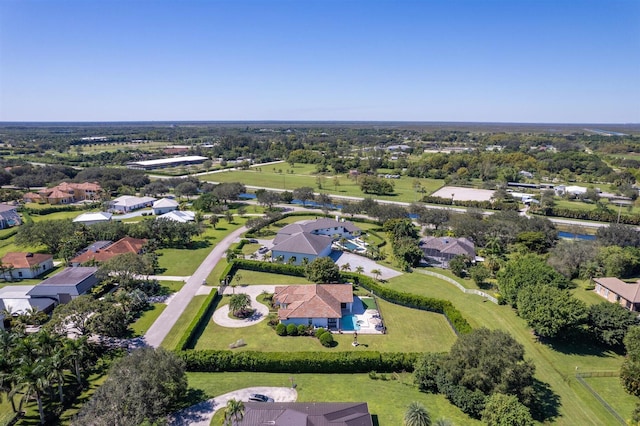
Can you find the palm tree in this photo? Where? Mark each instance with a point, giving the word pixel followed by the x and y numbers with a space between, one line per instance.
pixel 239 303
pixel 31 375
pixel 377 273
pixel 443 422
pixel 77 350
pixel 233 412
pixel 8 342
pixel 346 267
pixel 360 270
pixel 57 367
pixel 416 415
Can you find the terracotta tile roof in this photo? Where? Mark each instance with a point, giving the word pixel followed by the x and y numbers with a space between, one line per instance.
pixel 312 301
pixel 25 260
pixel 122 246
pixel 630 292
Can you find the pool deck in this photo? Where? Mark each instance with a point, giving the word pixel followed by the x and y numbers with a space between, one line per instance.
pixel 372 323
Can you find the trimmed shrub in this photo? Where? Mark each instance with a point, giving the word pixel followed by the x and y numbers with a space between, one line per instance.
pixel 320 331
pixel 326 339
pixel 281 329
pixel 302 330
pixel 292 330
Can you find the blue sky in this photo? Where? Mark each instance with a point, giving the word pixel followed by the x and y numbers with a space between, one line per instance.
pixel 569 61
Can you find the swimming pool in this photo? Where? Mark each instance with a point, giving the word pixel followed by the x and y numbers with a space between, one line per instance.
pixel 351 246
pixel 349 323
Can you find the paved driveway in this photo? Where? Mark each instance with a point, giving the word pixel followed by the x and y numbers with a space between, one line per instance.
pixel 354 260
pixel 221 315
pixel 202 413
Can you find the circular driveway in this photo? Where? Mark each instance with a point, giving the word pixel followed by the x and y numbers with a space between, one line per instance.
pixel 202 413
pixel 221 315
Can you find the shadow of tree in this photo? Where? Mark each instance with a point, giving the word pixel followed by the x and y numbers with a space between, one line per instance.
pixel 546 402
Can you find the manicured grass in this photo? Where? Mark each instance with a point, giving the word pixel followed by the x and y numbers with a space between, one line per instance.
pixel 555 365
pixel 6 413
pixel 94 383
pixel 610 389
pixel 368 302
pixel 185 261
pixel 266 278
pixel 303 175
pixel 409 330
pixel 168 287
pixel 179 328
pixel 147 318
pixel 387 399
pixel 587 296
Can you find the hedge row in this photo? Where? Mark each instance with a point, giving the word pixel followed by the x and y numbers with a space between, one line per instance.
pixel 272 267
pixel 297 362
pixel 597 215
pixel 48 210
pixel 199 320
pixel 441 306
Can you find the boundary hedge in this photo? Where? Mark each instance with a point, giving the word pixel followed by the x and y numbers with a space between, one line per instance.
pixel 199 321
pixel 210 361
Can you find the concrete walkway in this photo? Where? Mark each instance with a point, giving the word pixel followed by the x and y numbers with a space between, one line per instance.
pixel 161 327
pixel 221 316
pixel 202 413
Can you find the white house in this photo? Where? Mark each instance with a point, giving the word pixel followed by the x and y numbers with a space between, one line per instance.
pixel 15 299
pixel 93 218
pixel 319 305
pixel 129 203
pixel 20 265
pixel 179 216
pixel 164 205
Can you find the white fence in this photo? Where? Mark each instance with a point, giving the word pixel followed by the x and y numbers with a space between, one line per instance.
pixel 460 286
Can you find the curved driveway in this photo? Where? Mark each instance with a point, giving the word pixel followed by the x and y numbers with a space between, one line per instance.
pixel 202 413
pixel 221 315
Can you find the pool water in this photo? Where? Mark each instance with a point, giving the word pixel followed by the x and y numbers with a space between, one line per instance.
pixel 351 246
pixel 349 323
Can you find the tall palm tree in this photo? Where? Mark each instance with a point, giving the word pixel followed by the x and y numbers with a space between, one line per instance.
pixel 8 342
pixel 416 415
pixel 346 267
pixel 31 378
pixel 57 367
pixel 377 273
pixel 360 269
pixel 239 303
pixel 77 350
pixel 234 412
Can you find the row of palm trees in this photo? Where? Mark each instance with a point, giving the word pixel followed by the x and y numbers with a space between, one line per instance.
pixel 36 366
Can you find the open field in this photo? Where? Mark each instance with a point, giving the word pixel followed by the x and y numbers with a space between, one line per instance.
pixel 610 389
pixel 555 365
pixel 304 175
pixel 459 193
pixel 387 399
pixel 429 332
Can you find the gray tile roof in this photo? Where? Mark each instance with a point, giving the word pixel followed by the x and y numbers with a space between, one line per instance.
pixel 303 243
pixel 306 414
pixel 449 245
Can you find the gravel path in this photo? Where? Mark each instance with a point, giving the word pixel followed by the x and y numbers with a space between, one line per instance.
pixel 202 413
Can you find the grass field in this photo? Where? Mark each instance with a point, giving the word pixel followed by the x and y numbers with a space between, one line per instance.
pixel 304 175
pixel 178 329
pixel 387 399
pixel 555 365
pixel 610 389
pixel 587 296
pixel 147 318
pixel 429 332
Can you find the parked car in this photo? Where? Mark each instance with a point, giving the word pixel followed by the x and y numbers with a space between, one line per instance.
pixel 263 250
pixel 256 397
pixel 252 241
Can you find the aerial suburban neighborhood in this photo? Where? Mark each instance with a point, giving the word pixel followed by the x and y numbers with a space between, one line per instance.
pixel 319 213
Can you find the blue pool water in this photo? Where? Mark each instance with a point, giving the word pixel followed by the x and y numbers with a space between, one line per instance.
pixel 349 323
pixel 351 246
pixel 578 236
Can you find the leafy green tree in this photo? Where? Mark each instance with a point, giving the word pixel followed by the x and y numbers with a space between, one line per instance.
pixel 572 258
pixel 303 194
pixel 533 241
pixel 146 385
pixel 630 370
pixel 551 312
pixel 618 235
pixel 75 315
pixel 229 191
pixel 128 269
pixel 50 233
pixel 459 264
pixel 426 370
pixel 618 261
pixel 528 270
pixel 375 185
pixel 206 202
pixel 322 270
pixel 416 415
pixel 506 410
pixel 479 274
pixel 489 361
pixel 239 303
pixel 609 322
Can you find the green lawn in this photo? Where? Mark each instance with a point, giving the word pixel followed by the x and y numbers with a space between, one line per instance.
pixel 147 318
pixel 429 332
pixel 554 365
pixel 610 389
pixel 168 287
pixel 303 175
pixel 587 296
pixel 387 399
pixel 6 413
pixel 185 261
pixel 266 278
pixel 178 329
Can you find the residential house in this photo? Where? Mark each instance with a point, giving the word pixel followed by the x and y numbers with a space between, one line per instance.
pixel 93 218
pixel 618 291
pixel 129 203
pixel 181 216
pixel 66 285
pixel 22 265
pixel 9 216
pixel 164 205
pixel 66 193
pixel 443 249
pixel 101 251
pixel 15 299
pixel 306 414
pixel 309 239
pixel 319 305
